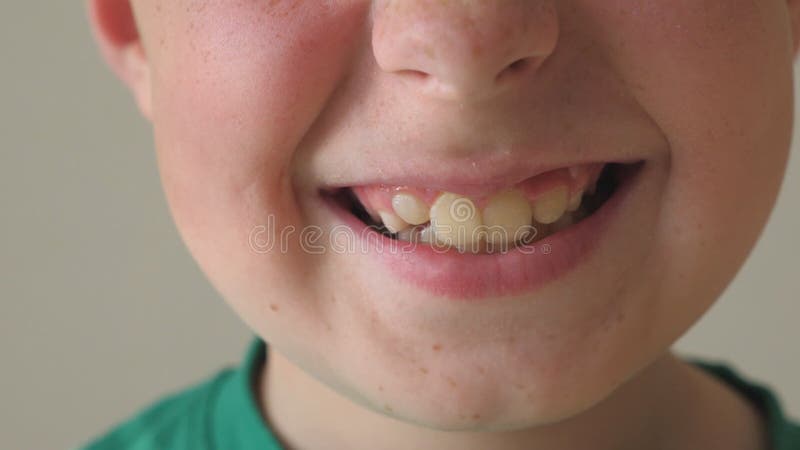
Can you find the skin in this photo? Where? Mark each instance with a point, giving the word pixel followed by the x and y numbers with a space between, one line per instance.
pixel 257 104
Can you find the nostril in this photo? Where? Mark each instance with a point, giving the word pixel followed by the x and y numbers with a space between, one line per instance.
pixel 414 74
pixel 518 67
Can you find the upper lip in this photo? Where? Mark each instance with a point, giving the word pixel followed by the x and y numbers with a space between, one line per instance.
pixel 474 174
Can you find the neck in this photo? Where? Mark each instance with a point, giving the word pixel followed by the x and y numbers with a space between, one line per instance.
pixel 306 414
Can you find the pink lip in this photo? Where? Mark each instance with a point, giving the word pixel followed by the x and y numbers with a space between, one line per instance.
pixel 464 276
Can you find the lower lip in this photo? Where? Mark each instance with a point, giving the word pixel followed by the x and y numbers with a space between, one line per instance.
pixel 465 276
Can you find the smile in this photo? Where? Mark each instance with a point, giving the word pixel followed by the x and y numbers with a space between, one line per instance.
pixel 503 242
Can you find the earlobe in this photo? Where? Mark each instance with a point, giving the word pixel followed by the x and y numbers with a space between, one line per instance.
pixel 116 32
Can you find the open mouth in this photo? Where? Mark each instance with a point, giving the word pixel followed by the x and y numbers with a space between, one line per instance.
pixel 523 214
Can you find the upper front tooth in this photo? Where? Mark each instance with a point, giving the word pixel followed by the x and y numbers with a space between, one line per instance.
pixel 551 205
pixel 410 208
pixel 392 222
pixel 511 212
pixel 455 220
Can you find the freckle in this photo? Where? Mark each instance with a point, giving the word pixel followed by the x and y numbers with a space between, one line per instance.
pixel 273 307
pixel 380 388
pixel 423 370
pixel 387 408
pixel 476 416
pixel 437 347
pixel 452 382
pixel 482 371
pixel 519 386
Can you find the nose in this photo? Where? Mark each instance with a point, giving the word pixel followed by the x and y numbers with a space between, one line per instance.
pixel 463 49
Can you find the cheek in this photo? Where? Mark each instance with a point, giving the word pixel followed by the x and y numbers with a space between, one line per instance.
pixel 236 87
pixel 716 77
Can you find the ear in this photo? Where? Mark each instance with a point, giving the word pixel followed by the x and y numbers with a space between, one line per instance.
pixel 793 6
pixel 115 29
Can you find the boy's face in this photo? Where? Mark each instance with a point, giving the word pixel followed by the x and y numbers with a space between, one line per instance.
pixel 265 112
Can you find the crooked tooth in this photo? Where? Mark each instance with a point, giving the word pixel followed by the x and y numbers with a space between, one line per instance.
pixel 410 208
pixel 507 217
pixel 392 222
pixel 575 201
pixel 456 221
pixel 550 206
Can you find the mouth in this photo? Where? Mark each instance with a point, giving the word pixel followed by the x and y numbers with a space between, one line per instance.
pixel 478 244
pixel 494 222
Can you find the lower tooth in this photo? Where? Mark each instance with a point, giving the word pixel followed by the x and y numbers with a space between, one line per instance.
pixel 426 235
pixel 408 234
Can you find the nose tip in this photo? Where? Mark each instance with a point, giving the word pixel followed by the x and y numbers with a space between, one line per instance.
pixel 463 49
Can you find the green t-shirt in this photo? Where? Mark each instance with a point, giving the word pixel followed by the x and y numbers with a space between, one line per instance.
pixel 221 413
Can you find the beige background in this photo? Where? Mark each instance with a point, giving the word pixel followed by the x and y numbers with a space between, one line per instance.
pixel 102 308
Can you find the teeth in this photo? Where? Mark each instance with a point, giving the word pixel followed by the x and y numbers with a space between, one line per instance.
pixel 410 234
pixel 426 235
pixel 410 208
pixel 507 217
pixel 392 222
pixel 575 201
pixel 549 207
pixel 456 221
